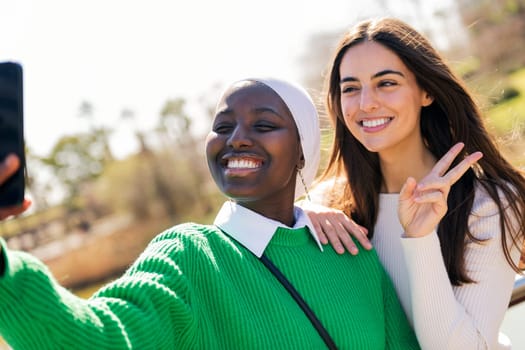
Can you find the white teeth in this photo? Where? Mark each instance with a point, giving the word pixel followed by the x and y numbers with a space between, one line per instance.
pixel 242 164
pixel 371 123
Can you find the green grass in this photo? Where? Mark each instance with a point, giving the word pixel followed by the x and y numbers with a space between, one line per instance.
pixel 509 116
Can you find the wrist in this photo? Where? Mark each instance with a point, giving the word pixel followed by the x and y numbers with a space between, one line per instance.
pixel 418 234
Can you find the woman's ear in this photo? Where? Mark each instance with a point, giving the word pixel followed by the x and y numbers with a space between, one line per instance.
pixel 300 165
pixel 427 99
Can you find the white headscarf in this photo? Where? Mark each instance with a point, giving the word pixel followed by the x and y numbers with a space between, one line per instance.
pixel 306 119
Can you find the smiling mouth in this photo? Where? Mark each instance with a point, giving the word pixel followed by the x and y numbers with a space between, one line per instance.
pixel 241 166
pixel 243 163
pixel 374 123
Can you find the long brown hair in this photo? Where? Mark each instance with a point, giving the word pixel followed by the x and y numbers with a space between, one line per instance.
pixel 451 118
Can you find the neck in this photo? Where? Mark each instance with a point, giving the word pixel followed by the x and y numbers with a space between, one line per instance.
pixel 275 211
pixel 396 167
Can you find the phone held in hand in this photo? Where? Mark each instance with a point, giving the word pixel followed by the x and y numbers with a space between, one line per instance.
pixel 12 130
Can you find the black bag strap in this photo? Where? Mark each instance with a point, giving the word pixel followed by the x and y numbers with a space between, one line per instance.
pixel 295 294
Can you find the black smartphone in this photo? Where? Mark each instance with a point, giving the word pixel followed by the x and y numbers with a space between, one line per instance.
pixel 12 130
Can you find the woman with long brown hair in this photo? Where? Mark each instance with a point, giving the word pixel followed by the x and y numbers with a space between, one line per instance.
pixel 413 164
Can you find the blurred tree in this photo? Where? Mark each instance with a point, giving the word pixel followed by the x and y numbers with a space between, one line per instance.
pixel 86 111
pixel 128 114
pixel 125 187
pixel 75 160
pixel 162 178
pixel 174 122
pixel 497 33
pixel 37 186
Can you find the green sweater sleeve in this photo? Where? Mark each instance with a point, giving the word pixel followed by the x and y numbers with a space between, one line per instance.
pixel 133 312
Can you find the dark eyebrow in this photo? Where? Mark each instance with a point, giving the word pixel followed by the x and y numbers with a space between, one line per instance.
pixel 268 109
pixel 387 71
pixel 347 80
pixel 377 75
pixel 225 111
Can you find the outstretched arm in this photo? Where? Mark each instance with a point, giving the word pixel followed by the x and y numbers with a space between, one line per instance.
pixel 140 310
pixel 37 313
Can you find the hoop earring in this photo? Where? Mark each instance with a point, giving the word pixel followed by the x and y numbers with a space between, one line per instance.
pixel 299 172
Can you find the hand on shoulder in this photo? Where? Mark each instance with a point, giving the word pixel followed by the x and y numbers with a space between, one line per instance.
pixel 335 227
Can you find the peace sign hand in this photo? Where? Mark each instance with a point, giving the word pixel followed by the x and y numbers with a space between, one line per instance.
pixel 422 205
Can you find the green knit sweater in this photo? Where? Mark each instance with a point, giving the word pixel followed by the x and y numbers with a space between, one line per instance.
pixel 196 288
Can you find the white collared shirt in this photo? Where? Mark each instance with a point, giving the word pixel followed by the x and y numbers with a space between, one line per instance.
pixel 253 230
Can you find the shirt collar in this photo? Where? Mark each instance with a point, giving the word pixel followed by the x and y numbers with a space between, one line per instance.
pixel 253 230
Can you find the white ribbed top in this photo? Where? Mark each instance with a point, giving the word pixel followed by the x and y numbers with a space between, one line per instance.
pixel 443 316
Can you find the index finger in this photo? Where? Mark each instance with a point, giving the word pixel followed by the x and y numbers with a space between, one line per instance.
pixel 357 231
pixel 457 172
pixel 445 162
